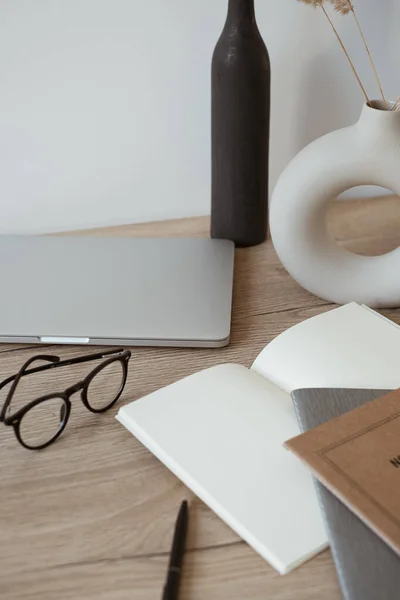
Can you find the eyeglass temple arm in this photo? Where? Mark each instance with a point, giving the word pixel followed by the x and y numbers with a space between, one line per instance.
pixel 24 371
pixel 56 362
pixel 89 357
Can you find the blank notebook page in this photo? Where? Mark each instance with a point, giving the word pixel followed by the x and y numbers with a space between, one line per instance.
pixel 349 347
pixel 221 432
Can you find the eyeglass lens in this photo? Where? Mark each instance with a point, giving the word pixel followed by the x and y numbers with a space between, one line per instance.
pixel 105 386
pixel 42 422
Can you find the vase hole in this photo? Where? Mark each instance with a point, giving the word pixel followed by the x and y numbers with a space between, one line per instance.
pixel 368 227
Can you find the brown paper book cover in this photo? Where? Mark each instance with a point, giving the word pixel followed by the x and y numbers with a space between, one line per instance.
pixel 357 457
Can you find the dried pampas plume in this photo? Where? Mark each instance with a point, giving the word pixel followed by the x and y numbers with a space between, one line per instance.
pixel 342 6
pixel 314 3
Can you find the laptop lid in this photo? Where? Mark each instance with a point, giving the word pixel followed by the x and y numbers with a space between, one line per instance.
pixel 117 291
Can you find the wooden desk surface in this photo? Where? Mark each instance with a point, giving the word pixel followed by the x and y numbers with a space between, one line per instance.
pixel 92 516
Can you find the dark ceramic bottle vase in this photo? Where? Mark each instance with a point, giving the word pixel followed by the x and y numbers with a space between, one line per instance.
pixel 240 129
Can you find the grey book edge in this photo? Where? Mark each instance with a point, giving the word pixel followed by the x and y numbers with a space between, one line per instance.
pixel 367 568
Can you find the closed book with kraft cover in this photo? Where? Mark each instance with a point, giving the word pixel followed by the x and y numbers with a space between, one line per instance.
pixel 367 568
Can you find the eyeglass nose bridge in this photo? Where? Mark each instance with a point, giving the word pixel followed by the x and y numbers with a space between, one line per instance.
pixel 74 388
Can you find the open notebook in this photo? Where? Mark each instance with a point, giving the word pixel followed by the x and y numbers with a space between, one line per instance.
pixel 221 431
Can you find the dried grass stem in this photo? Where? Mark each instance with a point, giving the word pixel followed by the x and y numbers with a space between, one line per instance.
pixel 351 7
pixel 346 53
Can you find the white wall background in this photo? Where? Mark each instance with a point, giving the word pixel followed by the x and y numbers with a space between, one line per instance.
pixel 105 104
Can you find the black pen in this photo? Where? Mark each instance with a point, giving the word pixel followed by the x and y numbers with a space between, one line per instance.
pixel 171 588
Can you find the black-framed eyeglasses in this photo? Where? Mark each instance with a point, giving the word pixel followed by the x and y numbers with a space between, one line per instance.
pixel 40 422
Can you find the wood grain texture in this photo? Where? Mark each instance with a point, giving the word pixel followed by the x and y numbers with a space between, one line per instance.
pixel 92 516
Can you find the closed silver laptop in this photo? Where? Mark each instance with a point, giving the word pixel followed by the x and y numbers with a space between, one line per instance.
pixel 117 291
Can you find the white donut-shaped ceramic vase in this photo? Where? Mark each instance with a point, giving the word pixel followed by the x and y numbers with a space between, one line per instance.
pixel 367 153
